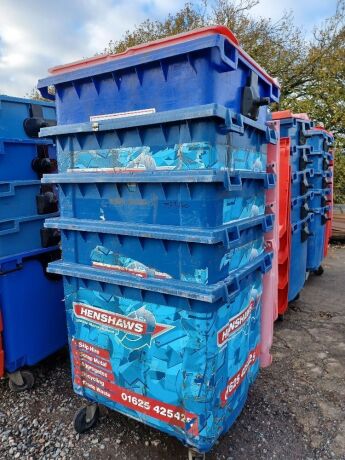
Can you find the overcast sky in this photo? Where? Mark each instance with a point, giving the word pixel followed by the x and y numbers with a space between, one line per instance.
pixel 38 34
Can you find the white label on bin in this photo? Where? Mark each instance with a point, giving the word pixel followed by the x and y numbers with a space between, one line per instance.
pixel 112 116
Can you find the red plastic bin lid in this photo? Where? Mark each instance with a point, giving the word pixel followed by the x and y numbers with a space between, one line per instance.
pixel 153 45
pixel 289 114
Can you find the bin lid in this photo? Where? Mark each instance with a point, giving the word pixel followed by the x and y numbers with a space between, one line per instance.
pixel 280 115
pixel 161 43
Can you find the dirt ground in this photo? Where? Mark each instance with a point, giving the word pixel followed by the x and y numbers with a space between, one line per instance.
pixel 295 410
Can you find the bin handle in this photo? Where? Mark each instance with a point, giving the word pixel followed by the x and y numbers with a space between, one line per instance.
pixel 233 123
pixel 6 189
pixel 232 182
pixel 12 228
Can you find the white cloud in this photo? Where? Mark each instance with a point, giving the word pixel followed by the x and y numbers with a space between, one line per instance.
pixel 38 34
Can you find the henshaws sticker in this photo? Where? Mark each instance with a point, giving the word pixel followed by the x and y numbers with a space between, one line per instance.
pixel 134 331
pixel 235 324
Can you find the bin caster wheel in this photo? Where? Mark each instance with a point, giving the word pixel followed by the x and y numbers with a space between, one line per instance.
pixel 319 271
pixel 195 455
pixel 281 317
pixel 86 418
pixel 21 381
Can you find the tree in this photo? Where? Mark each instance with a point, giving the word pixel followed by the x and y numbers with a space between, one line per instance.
pixel 311 71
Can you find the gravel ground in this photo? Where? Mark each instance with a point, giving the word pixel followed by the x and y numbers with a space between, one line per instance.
pixel 295 410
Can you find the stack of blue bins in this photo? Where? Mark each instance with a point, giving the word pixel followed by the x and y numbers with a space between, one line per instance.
pixel 301 196
pixel 30 299
pixel 162 222
pixel 321 155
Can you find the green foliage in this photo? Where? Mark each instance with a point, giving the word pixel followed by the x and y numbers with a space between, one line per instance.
pixel 36 95
pixel 311 72
pixel 339 172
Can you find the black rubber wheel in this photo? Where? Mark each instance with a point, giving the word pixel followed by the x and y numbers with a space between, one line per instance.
pixel 29 381
pixel 81 424
pixel 281 317
pixel 195 455
pixel 319 271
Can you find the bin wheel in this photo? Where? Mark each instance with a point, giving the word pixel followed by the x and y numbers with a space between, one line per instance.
pixel 21 381
pixel 86 418
pixel 281 317
pixel 319 271
pixel 193 454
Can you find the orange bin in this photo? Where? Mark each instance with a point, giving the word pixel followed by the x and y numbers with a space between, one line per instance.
pixel 284 225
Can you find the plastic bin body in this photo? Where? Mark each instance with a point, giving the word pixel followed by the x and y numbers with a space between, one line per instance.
pixel 18 199
pixel 163 223
pixel 270 293
pixel 2 354
pixel 298 257
pixel 191 71
pixel 302 182
pixel 153 253
pixel 301 206
pixel 195 203
pixel 33 315
pixel 195 138
pixel 284 225
pixel 316 241
pixel 164 187
pixel 22 235
pixel 320 198
pixel 13 112
pixel 17 155
pixel 183 369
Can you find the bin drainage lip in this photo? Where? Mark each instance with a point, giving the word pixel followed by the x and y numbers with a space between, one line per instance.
pixel 212 110
pixel 167 232
pixel 164 176
pixel 205 293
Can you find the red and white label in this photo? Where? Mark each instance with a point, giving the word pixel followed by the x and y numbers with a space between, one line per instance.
pixel 81 346
pixel 234 324
pixel 93 360
pixel 131 271
pixel 131 113
pixel 116 321
pixel 167 413
pixel 83 365
pixel 235 381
